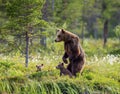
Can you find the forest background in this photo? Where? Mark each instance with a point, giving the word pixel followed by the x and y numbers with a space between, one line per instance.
pixel 27 33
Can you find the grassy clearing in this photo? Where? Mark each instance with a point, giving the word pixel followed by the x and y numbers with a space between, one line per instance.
pixel 101 74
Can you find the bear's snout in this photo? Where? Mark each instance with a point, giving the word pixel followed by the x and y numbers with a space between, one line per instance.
pixel 57 67
pixel 55 40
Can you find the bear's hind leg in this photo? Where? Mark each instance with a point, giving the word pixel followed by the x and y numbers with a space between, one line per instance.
pixel 73 71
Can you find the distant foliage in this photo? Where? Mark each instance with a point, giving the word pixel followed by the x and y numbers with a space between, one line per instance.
pixel 117 31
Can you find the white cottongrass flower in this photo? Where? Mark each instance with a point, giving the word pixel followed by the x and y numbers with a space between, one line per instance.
pixel 111 59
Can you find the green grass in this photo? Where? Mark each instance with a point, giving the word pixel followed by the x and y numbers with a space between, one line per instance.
pixel 101 74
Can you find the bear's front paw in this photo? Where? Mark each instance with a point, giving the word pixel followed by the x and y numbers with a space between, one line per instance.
pixel 65 61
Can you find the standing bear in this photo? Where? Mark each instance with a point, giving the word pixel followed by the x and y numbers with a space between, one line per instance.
pixel 73 51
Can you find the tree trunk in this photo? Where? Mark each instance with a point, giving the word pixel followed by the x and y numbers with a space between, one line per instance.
pixel 105 32
pixel 64 6
pixel 95 33
pixel 82 32
pixel 95 27
pixel 53 5
pixel 46 13
pixel 43 40
pixel 83 24
pixel 27 50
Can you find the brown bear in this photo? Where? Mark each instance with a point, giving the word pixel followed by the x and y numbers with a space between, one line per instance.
pixel 39 67
pixel 63 70
pixel 73 51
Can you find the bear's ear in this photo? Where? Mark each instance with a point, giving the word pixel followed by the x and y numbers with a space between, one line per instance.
pixel 62 64
pixel 63 31
pixel 41 64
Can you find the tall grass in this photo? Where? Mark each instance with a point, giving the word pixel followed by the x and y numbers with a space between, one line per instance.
pixel 100 76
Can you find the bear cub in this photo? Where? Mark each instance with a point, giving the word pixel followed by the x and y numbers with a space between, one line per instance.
pixel 63 70
pixel 39 67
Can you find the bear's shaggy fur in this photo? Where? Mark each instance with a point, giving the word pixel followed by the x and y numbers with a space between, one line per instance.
pixel 73 51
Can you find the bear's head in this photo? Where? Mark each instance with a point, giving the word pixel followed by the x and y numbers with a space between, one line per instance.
pixel 39 67
pixel 63 35
pixel 60 66
pixel 60 35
